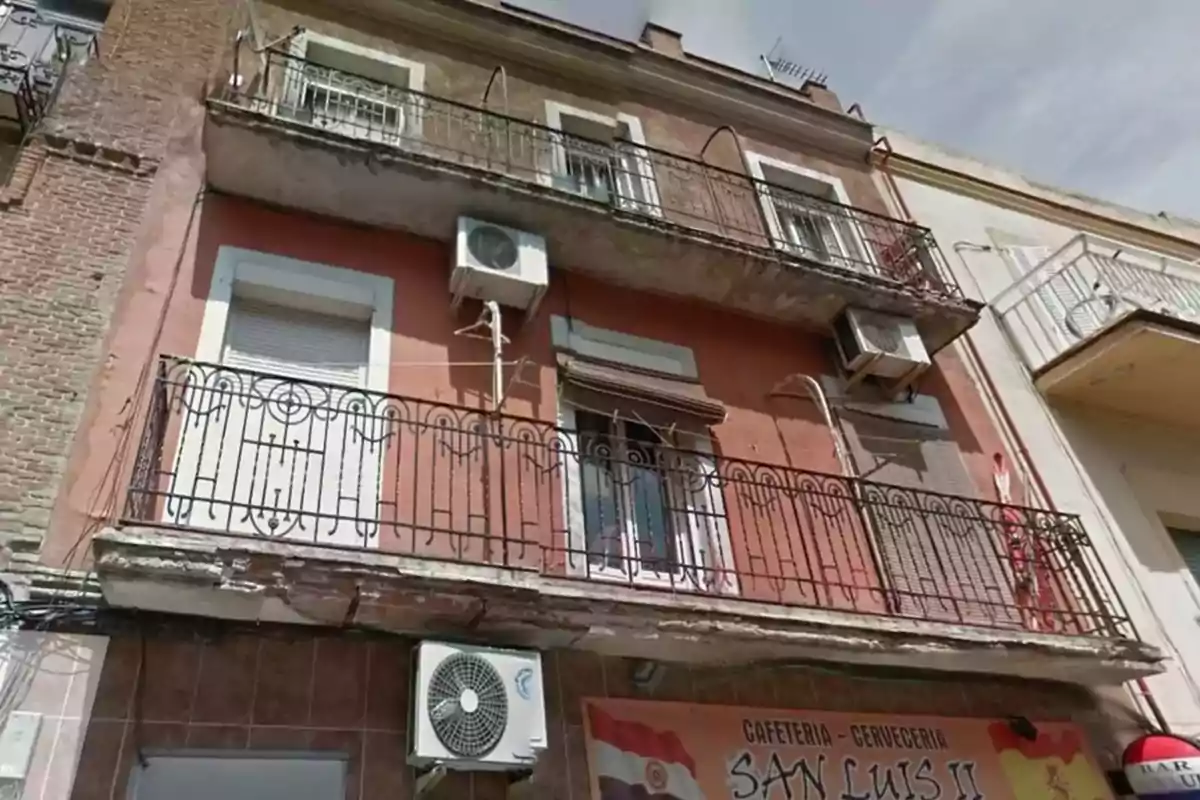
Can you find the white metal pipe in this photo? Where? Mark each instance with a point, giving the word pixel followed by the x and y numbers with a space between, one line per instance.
pixel 493 310
pixel 817 393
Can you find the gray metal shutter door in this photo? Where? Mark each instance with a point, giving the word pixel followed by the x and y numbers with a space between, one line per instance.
pixel 942 555
pixel 290 343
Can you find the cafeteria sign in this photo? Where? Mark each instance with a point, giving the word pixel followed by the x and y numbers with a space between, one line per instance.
pixel 680 751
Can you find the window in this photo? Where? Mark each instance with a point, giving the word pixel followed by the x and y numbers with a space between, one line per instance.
pixel 808 213
pixel 603 158
pixel 642 498
pixel 353 90
pixel 1188 544
pixel 239 776
pixel 81 14
pixel 278 437
pixel 1059 294
pixel 625 477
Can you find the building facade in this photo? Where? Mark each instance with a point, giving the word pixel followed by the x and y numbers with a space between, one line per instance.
pixel 1086 343
pixel 446 321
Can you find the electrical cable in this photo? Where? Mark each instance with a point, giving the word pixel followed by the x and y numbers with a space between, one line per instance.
pixel 105 497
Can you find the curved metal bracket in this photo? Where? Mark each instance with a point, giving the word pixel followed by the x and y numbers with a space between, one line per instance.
pixel 503 73
pixel 737 141
pixel 754 183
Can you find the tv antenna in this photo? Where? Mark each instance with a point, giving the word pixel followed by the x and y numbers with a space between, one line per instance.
pixel 782 69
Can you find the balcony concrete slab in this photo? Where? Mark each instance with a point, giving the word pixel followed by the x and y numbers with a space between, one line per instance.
pixel 418 190
pixel 1136 366
pixel 193 572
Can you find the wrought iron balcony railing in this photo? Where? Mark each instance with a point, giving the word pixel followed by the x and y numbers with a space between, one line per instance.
pixel 258 455
pixel 1087 285
pixel 34 54
pixel 662 188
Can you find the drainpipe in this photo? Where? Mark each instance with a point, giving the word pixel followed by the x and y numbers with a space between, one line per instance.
pixel 817 394
pixel 1142 689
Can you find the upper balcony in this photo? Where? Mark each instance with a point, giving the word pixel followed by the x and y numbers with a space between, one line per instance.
pixel 1110 326
pixel 433 515
pixel 35 49
pixel 305 135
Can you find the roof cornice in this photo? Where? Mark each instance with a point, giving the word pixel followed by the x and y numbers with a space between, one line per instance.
pixel 1059 207
pixel 518 36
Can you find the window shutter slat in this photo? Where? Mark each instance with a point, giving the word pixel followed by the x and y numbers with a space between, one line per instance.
pixel 296 344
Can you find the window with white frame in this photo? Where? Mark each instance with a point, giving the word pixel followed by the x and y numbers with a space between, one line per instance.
pixel 278 437
pixel 601 157
pixel 628 503
pixel 643 502
pixel 353 90
pixel 808 212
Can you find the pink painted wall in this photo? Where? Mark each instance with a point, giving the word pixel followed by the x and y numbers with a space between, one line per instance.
pixel 739 361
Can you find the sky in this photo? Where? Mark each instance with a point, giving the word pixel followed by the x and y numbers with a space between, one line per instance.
pixel 1096 96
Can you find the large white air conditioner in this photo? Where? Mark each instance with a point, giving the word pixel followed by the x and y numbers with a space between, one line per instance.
pixel 492 262
pixel 477 708
pixel 882 345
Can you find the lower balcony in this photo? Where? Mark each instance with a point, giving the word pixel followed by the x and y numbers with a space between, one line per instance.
pixel 1110 326
pixel 262 497
pixel 303 135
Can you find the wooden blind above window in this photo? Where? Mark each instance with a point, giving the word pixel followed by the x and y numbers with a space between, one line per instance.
pixel 654 396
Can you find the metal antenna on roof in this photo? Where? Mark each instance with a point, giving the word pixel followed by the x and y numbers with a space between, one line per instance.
pixel 782 69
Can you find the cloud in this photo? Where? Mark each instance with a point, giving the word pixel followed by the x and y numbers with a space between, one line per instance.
pixel 1095 94
pixel 1101 96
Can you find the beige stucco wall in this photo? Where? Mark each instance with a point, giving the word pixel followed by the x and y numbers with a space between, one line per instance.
pixel 1148 476
pixel 1117 474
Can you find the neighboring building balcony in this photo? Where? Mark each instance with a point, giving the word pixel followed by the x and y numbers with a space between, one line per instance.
pixel 304 135
pixel 1110 326
pixel 584 525
pixel 35 50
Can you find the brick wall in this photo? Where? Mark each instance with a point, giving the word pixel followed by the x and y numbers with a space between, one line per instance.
pixel 71 215
pixel 350 695
pixel 65 231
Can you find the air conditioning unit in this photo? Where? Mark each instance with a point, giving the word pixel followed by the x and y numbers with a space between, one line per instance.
pixel 881 345
pixel 477 708
pixel 492 262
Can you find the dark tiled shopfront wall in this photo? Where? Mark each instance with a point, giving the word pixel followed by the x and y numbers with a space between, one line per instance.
pixel 350 695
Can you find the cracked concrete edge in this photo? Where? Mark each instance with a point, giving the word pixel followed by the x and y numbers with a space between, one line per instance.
pixel 231 563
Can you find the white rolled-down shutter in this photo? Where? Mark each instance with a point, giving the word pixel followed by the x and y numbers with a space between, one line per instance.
pixel 290 343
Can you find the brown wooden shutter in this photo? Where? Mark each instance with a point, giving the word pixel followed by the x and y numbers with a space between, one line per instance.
pixel 943 555
pixel 656 397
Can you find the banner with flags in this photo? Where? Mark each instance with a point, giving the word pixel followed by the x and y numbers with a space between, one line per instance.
pixel 643 750
pixel 633 761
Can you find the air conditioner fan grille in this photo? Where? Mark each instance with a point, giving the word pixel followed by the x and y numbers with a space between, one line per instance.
pixel 493 247
pixel 467 705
